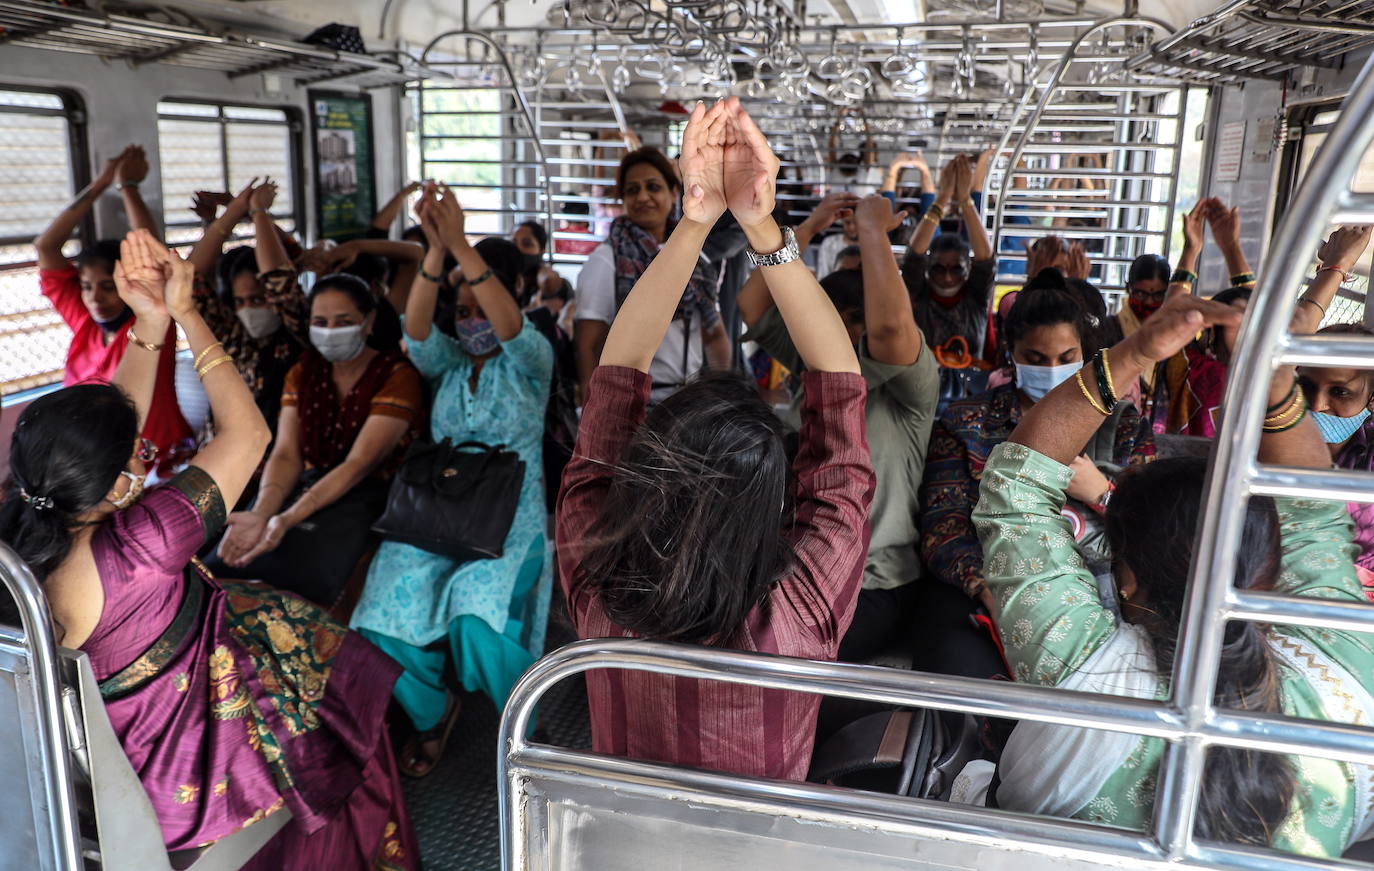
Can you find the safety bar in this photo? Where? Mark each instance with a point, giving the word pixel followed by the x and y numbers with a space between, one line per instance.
pixel 518 757
pixel 53 748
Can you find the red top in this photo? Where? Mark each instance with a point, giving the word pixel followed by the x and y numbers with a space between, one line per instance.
pixel 705 724
pixel 90 359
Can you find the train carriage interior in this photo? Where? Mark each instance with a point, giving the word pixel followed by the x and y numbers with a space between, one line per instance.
pixel 612 434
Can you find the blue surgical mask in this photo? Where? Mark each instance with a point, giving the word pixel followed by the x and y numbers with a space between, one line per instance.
pixel 1337 429
pixel 1037 381
pixel 477 336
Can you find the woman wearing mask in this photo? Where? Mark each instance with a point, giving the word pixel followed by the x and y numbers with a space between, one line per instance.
pixel 1340 399
pixel 348 410
pixel 258 311
pixel 231 701
pixel 484 618
pixel 649 186
pixel 1050 338
pixel 1058 632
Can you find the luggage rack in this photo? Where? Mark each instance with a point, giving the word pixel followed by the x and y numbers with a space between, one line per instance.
pixel 138 41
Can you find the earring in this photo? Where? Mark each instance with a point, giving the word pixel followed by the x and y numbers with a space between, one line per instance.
pixel 1121 594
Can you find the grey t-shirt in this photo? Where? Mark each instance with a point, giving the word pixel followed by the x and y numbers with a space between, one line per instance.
pixel 899 414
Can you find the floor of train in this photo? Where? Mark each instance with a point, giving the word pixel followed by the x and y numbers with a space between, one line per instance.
pixel 454 809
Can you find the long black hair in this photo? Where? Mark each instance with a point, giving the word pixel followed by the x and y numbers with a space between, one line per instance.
pixel 691 534
pixel 1047 300
pixel 1152 524
pixel 67 452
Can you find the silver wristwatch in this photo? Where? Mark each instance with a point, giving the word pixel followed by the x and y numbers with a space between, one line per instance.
pixel 786 254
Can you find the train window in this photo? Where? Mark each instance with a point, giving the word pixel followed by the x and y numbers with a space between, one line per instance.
pixel 1308 127
pixel 219 147
pixel 461 145
pixel 38 166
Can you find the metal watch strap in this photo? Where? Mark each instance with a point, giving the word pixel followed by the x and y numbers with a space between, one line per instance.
pixel 786 254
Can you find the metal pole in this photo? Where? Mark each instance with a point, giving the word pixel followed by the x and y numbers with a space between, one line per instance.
pixel 43 677
pixel 1233 469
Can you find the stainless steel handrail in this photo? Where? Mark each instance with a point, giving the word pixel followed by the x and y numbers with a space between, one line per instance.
pixel 46 685
pixel 1234 470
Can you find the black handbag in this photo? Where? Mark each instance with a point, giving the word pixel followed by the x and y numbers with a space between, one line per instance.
pixel 455 500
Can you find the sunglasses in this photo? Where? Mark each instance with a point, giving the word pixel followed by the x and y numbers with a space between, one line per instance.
pixel 1150 296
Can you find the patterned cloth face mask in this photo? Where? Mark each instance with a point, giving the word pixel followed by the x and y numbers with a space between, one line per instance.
pixel 477 336
pixel 1336 430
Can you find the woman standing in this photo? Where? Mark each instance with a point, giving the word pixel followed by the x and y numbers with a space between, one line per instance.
pixel 649 186
pixel 490 384
pixel 232 701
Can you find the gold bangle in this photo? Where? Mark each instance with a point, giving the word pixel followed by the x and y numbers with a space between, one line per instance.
pixel 1097 406
pixel 205 370
pixel 200 358
pixel 1107 368
pixel 1294 409
pixel 147 346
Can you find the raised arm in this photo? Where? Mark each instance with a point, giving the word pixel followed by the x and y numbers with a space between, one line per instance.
pixel 388 214
pixel 1338 255
pixel 750 173
pixel 1194 232
pixel 1059 425
pixel 754 299
pixel 496 300
pixel 49 243
pixel 133 169
pixel 1226 232
pixel 889 325
pixel 929 224
pixel 424 292
pixel 973 221
pixel 271 253
pixel 141 276
pixel 206 252
pixel 642 322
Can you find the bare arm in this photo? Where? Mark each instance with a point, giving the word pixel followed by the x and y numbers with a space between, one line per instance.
pixel 284 466
pixel 890 328
pixel 392 210
pixel 640 325
pixel 1226 231
pixel 49 243
pixel 496 300
pixel 424 295
pixel 929 224
pixel 375 443
pixel 1338 256
pixel 132 171
pixel 207 251
pixel 141 277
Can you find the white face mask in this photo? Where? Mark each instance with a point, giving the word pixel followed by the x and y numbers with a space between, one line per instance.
pixel 259 321
pixel 1037 381
pixel 338 344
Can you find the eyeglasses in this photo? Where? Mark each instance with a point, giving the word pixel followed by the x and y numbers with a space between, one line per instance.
pixel 940 268
pixel 145 451
pixel 1150 295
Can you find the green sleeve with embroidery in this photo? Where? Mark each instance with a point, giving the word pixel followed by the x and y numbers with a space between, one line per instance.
pixel 1047 609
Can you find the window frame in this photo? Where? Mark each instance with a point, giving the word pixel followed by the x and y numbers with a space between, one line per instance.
pixel 295 127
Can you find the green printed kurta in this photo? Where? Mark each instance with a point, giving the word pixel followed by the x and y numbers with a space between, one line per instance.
pixel 1052 622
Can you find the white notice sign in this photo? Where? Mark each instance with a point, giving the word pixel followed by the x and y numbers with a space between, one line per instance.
pixel 1230 151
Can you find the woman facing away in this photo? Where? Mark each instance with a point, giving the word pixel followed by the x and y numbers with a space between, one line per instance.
pixel 1058 633
pixel 685 525
pixel 232 701
pixel 484 618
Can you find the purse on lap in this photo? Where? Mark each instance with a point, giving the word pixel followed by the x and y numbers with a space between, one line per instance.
pixel 458 501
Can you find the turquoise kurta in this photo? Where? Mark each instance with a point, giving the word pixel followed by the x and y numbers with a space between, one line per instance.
pixel 493 612
pixel 1053 625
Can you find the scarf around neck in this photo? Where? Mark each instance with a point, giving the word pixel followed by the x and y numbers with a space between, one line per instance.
pixel 634 249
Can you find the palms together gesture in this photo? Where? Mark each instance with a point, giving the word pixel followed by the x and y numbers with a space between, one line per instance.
pixel 141 274
pixel 750 168
pixel 702 164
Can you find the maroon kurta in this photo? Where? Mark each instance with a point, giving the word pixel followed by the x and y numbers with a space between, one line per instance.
pixel 268 703
pixel 729 727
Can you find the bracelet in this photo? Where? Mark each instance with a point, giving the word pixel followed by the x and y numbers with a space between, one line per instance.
pixel 1111 382
pixel 1183 276
pixel 428 276
pixel 1241 279
pixel 200 358
pixel 1093 402
pixel 479 279
pixel 147 346
pixel 205 370
pixel 1104 384
pixel 1282 422
pixel 934 213
pixel 120 186
pixel 1313 302
pixel 1288 397
pixel 253 211
pixel 1100 506
pixel 1345 276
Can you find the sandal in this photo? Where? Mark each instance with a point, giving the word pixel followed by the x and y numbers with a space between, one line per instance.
pixel 414 762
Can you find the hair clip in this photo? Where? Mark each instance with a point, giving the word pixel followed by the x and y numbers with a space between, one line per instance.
pixel 38 503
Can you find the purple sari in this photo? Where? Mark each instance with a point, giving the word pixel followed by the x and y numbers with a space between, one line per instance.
pixel 253 701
